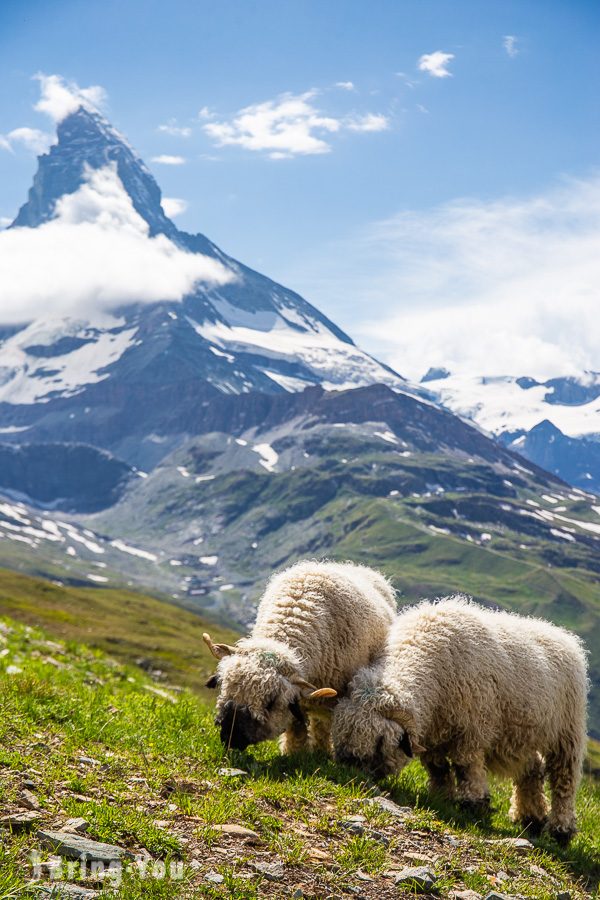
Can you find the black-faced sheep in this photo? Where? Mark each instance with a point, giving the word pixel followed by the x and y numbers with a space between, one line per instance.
pixel 480 690
pixel 317 624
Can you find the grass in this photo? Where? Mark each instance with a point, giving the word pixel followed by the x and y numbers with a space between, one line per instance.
pixel 127 625
pixel 144 771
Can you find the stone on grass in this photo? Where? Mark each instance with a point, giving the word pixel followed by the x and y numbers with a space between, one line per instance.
pixel 417 878
pixel 388 806
pixel 563 895
pixel 214 878
pixel 232 773
pixel 28 800
pixel 78 825
pixel 74 846
pixel 465 895
pixel 520 845
pixel 66 891
pixel 236 831
pixel 494 895
pixel 20 821
pixel 272 871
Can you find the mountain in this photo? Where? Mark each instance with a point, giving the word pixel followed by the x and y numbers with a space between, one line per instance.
pixel 137 372
pixel 554 423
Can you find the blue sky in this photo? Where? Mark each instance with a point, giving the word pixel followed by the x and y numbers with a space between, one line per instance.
pixel 405 110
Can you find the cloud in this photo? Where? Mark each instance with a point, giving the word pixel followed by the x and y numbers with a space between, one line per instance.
pixel 369 122
pixel 5 221
pixel 175 130
pixel 59 97
pixel 95 255
pixel 31 138
pixel 509 42
pixel 291 125
pixel 436 64
pixel 206 113
pixel 345 85
pixel 174 206
pixel 166 160
pixel 5 144
pixel 507 287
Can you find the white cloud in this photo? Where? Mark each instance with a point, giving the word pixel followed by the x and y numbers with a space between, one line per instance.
pixel 31 138
pixel 166 160
pixel 506 287
pixel 369 122
pixel 287 126
pixel 436 64
pixel 290 125
pixel 59 97
pixel 96 254
pixel 206 113
pixel 5 144
pixel 345 85
pixel 509 42
pixel 5 221
pixel 174 206
pixel 175 130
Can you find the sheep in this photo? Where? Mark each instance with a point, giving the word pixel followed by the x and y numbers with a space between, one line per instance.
pixel 317 624
pixel 471 690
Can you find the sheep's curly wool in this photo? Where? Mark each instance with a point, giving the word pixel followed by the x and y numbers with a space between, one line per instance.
pixel 317 621
pixel 482 690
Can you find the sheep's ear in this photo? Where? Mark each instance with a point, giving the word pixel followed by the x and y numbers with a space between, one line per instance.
pixel 309 691
pixel 217 650
pixel 213 682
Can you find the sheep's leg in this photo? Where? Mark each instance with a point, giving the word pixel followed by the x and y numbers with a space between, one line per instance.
pixel 564 773
pixel 472 791
pixel 295 738
pixel 319 730
pixel 440 774
pixel 528 805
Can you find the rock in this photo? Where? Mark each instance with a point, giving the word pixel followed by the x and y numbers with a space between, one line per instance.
pixel 236 831
pixel 320 855
pixel 298 894
pixel 29 800
pixel 232 773
pixel 78 825
pixel 87 761
pixel 563 895
pixel 74 846
pixel 29 784
pixel 380 837
pixel 416 857
pixel 352 827
pixel 273 871
pixel 214 878
pixel 521 845
pixel 20 821
pixel 494 895
pixel 67 891
pixel 465 895
pixel 419 878
pixel 388 806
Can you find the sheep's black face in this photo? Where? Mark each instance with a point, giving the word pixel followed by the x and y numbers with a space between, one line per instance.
pixel 375 764
pixel 239 728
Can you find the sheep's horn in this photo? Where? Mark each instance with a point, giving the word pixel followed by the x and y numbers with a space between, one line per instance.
pixel 217 650
pixel 314 693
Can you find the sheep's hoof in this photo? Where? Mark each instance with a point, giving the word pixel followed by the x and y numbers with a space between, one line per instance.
pixel 534 826
pixel 561 834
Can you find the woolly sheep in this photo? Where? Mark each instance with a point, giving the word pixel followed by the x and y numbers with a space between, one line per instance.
pixel 479 689
pixel 317 624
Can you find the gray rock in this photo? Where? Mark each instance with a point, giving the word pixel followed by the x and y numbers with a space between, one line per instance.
pixel 419 878
pixel 273 871
pixel 388 806
pixel 380 837
pixel 465 895
pixel 353 827
pixel 66 891
pixel 20 821
pixel 232 773
pixel 494 895
pixel 79 825
pixel 214 878
pixel 563 895
pixel 521 845
pixel 29 800
pixel 74 846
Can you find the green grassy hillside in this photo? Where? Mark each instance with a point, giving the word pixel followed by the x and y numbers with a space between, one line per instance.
pixel 90 738
pixel 131 627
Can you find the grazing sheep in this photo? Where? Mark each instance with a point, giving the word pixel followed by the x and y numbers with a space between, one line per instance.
pixel 317 624
pixel 481 690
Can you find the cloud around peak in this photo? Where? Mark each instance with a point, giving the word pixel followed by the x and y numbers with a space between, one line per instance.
pixel 59 97
pixel 94 255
